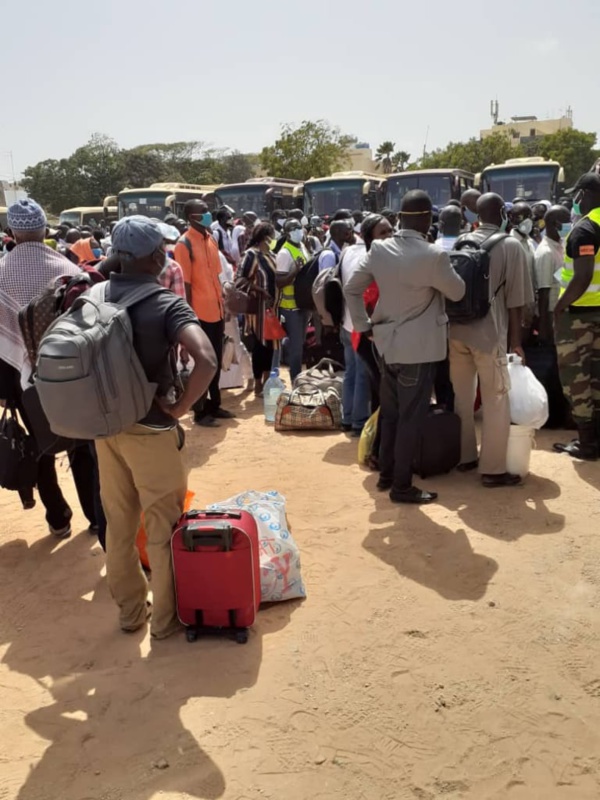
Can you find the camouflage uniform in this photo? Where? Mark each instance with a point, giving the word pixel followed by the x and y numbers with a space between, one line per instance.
pixel 578 345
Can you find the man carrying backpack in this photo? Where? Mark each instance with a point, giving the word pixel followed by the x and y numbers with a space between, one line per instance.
pixel 478 348
pixel 141 468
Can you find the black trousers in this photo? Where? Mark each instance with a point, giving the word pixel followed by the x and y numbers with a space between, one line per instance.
pixel 405 399
pixel 444 393
pixel 211 401
pixel 262 358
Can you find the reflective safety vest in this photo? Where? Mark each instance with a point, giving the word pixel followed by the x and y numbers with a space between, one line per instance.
pixel 591 298
pixel 288 298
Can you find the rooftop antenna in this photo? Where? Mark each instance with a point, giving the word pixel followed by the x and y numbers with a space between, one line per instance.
pixel 494 111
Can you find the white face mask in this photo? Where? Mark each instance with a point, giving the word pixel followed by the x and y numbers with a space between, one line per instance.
pixel 304 222
pixel 281 222
pixel 526 227
pixel 357 227
pixel 297 235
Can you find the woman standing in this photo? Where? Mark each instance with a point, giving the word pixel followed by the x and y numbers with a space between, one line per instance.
pixel 257 274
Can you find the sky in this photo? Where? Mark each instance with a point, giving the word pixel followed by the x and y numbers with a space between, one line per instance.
pixel 229 74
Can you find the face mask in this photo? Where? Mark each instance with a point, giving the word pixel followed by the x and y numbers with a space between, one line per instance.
pixel 297 235
pixel 577 209
pixel 281 222
pixel 565 229
pixel 470 216
pixel 504 223
pixel 304 222
pixel 525 227
pixel 97 251
pixel 357 227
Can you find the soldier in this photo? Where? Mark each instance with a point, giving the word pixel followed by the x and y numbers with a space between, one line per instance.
pixel 577 320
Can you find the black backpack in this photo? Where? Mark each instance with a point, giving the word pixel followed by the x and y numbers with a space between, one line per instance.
pixel 303 285
pixel 471 260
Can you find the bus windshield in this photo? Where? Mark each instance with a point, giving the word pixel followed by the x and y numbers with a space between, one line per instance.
pixel 438 187
pixel 531 183
pixel 70 217
pixel 243 198
pixel 326 197
pixel 149 204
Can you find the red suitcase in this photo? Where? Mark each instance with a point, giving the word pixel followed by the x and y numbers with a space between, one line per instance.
pixel 217 572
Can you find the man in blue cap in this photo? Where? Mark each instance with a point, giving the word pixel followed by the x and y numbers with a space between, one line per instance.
pixel 142 469
pixel 25 272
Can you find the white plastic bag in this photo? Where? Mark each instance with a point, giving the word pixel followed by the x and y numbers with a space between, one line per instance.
pixel 528 398
pixel 280 576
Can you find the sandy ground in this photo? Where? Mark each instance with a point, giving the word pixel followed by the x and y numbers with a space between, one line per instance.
pixel 449 652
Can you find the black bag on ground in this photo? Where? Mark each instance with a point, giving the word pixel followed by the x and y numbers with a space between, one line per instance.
pixel 303 285
pixel 18 466
pixel 542 360
pixel 471 260
pixel 438 448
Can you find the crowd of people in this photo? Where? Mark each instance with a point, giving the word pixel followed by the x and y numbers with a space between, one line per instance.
pixel 394 337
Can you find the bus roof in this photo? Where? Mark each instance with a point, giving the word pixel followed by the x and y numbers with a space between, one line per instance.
pixel 83 210
pixel 171 187
pixel 533 161
pixel 261 182
pixel 349 176
pixel 450 171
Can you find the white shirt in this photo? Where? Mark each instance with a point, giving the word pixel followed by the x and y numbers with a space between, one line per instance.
pixel 238 231
pixel 351 258
pixel 549 259
pixel 224 235
pixel 447 242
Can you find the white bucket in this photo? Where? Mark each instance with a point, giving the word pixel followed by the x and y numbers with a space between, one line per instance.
pixel 518 454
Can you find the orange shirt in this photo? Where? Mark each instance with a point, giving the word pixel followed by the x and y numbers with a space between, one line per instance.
pixel 202 273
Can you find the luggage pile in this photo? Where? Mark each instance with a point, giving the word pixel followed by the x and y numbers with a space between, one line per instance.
pixel 315 401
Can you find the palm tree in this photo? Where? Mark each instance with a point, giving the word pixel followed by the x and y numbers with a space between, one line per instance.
pixel 400 160
pixel 383 156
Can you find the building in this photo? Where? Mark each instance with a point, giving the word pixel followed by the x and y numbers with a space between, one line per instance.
pixel 521 130
pixel 360 159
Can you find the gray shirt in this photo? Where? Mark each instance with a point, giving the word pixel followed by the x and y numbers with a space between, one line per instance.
pixel 409 322
pixel 510 286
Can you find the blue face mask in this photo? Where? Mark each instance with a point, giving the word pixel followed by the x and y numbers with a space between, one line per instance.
pixel 203 219
pixel 504 223
pixel 577 209
pixel 470 216
pixel 97 251
pixel 565 229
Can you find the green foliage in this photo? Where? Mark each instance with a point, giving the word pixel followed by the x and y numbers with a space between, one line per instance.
pixel 473 155
pixel 572 148
pixel 389 160
pixel 310 150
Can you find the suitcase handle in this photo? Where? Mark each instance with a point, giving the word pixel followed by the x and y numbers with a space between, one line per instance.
pixel 200 512
pixel 215 534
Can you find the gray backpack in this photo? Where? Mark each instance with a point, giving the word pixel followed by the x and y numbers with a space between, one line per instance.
pixel 89 378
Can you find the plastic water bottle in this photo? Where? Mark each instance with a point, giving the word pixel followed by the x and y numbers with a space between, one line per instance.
pixel 271 391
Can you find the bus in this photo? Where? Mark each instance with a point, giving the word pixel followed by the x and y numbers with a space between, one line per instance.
pixel 3 218
pixel 261 195
pixel 355 191
pixel 441 185
pixel 86 215
pixel 161 199
pixel 111 208
pixel 531 179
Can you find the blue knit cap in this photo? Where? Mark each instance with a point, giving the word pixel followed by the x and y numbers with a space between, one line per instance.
pixel 26 215
pixel 136 237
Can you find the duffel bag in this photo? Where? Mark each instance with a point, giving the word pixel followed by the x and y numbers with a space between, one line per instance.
pixel 327 374
pixel 308 409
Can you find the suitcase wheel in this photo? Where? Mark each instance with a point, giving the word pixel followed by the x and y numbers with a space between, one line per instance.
pixel 241 637
pixel 191 634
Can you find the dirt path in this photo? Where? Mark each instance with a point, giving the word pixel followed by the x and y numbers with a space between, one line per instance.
pixel 451 652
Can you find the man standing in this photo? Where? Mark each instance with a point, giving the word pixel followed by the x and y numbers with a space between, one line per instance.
pixel 24 273
pixel 142 469
pixel 549 259
pixel 290 259
pixel 478 350
pixel 577 320
pixel 468 202
pixel 221 229
pixel 450 225
pixel 410 332
pixel 198 255
pixel 241 235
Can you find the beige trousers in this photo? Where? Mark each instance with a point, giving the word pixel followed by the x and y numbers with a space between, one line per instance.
pixel 142 470
pixel 466 364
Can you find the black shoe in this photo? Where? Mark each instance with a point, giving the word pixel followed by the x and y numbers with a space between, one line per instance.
pixel 505 479
pixel 468 467
pixel 356 433
pixel 384 484
pixel 206 422
pixel 346 428
pixel 575 449
pixel 222 413
pixel 414 495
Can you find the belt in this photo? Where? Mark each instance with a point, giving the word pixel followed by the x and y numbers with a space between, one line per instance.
pixel 584 309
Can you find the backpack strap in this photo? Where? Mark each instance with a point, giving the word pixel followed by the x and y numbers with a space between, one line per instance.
pixel 100 293
pixel 493 240
pixel 188 246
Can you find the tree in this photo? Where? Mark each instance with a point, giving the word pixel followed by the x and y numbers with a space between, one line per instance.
pixel 383 156
pixel 237 168
pixel 573 149
pixel 400 160
pixel 310 150
pixel 97 169
pixel 52 184
pixel 473 155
